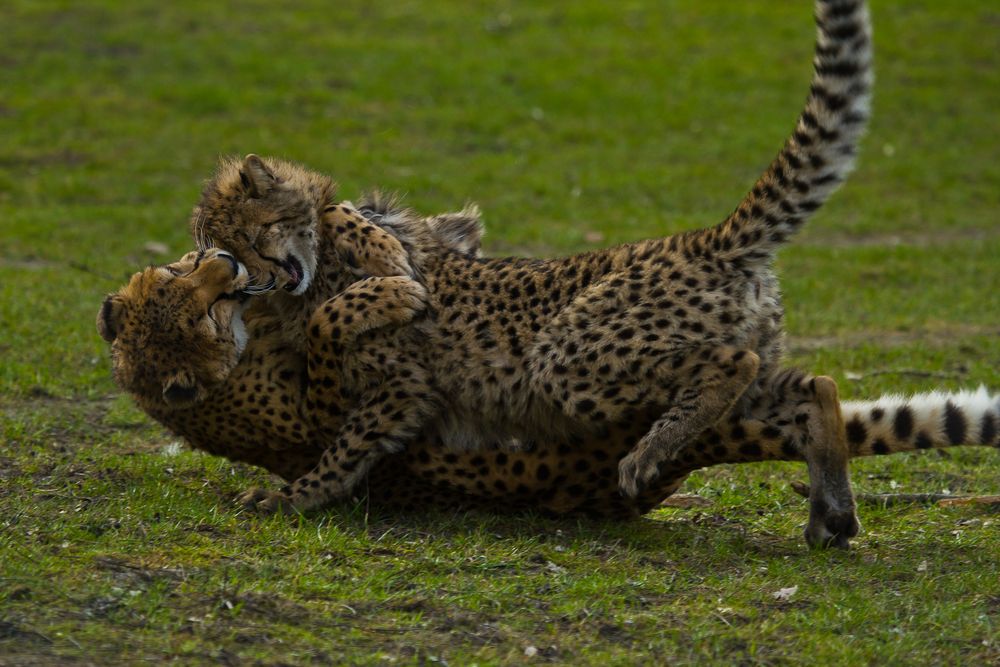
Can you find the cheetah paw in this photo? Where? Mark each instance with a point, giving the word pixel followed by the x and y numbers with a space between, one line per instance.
pixel 412 295
pixel 636 472
pixel 831 526
pixel 264 501
pixel 403 299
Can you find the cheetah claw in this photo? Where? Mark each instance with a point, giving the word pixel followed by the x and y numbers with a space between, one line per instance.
pixel 414 296
pixel 263 501
pixel 636 472
pixel 394 266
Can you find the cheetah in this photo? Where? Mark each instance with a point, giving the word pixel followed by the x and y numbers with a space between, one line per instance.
pixel 251 391
pixel 205 309
pixel 191 345
pixel 689 327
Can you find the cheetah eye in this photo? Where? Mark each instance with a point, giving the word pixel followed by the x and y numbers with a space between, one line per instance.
pixel 277 221
pixel 256 235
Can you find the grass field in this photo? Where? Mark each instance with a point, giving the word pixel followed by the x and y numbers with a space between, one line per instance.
pixel 573 125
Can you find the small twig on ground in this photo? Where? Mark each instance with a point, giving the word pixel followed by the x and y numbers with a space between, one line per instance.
pixel 857 377
pixel 889 499
pixel 685 500
pixel 970 500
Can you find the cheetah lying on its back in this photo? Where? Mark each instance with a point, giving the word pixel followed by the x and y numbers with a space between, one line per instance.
pixel 688 328
pixel 252 393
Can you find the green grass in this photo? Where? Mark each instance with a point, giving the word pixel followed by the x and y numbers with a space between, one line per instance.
pixel 566 122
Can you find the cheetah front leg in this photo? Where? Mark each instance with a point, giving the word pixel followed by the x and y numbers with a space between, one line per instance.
pixel 340 388
pixel 336 358
pixel 366 248
pixel 388 416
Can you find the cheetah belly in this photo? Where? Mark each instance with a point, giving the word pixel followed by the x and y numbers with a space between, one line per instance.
pixel 493 384
pixel 490 411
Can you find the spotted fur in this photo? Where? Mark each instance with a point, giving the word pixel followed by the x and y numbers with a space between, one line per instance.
pixel 176 331
pixel 689 327
pixel 925 421
pixel 263 411
pixel 177 350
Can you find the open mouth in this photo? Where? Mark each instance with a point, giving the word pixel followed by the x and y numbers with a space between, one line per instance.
pixel 295 272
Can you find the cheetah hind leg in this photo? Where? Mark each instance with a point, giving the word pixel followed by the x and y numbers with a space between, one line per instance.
pixel 804 416
pixel 708 392
pixel 832 516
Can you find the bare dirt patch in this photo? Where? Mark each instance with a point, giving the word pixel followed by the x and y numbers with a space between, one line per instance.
pixel 910 239
pixel 887 339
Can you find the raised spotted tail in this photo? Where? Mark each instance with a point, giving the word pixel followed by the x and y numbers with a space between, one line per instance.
pixel 820 153
pixel 894 424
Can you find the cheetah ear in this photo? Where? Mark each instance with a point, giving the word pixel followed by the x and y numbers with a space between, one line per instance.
pixel 109 317
pixel 462 231
pixel 256 178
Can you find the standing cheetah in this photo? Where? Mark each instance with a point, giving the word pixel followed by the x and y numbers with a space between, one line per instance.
pixel 688 327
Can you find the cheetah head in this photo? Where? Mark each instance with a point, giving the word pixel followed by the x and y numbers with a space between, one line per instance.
pixel 265 211
pixel 176 331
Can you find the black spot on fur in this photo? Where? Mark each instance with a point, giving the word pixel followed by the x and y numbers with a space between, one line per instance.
pixel 954 424
pixel 789 449
pixel 856 432
pixel 902 426
pixel 771 432
pixel 988 431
